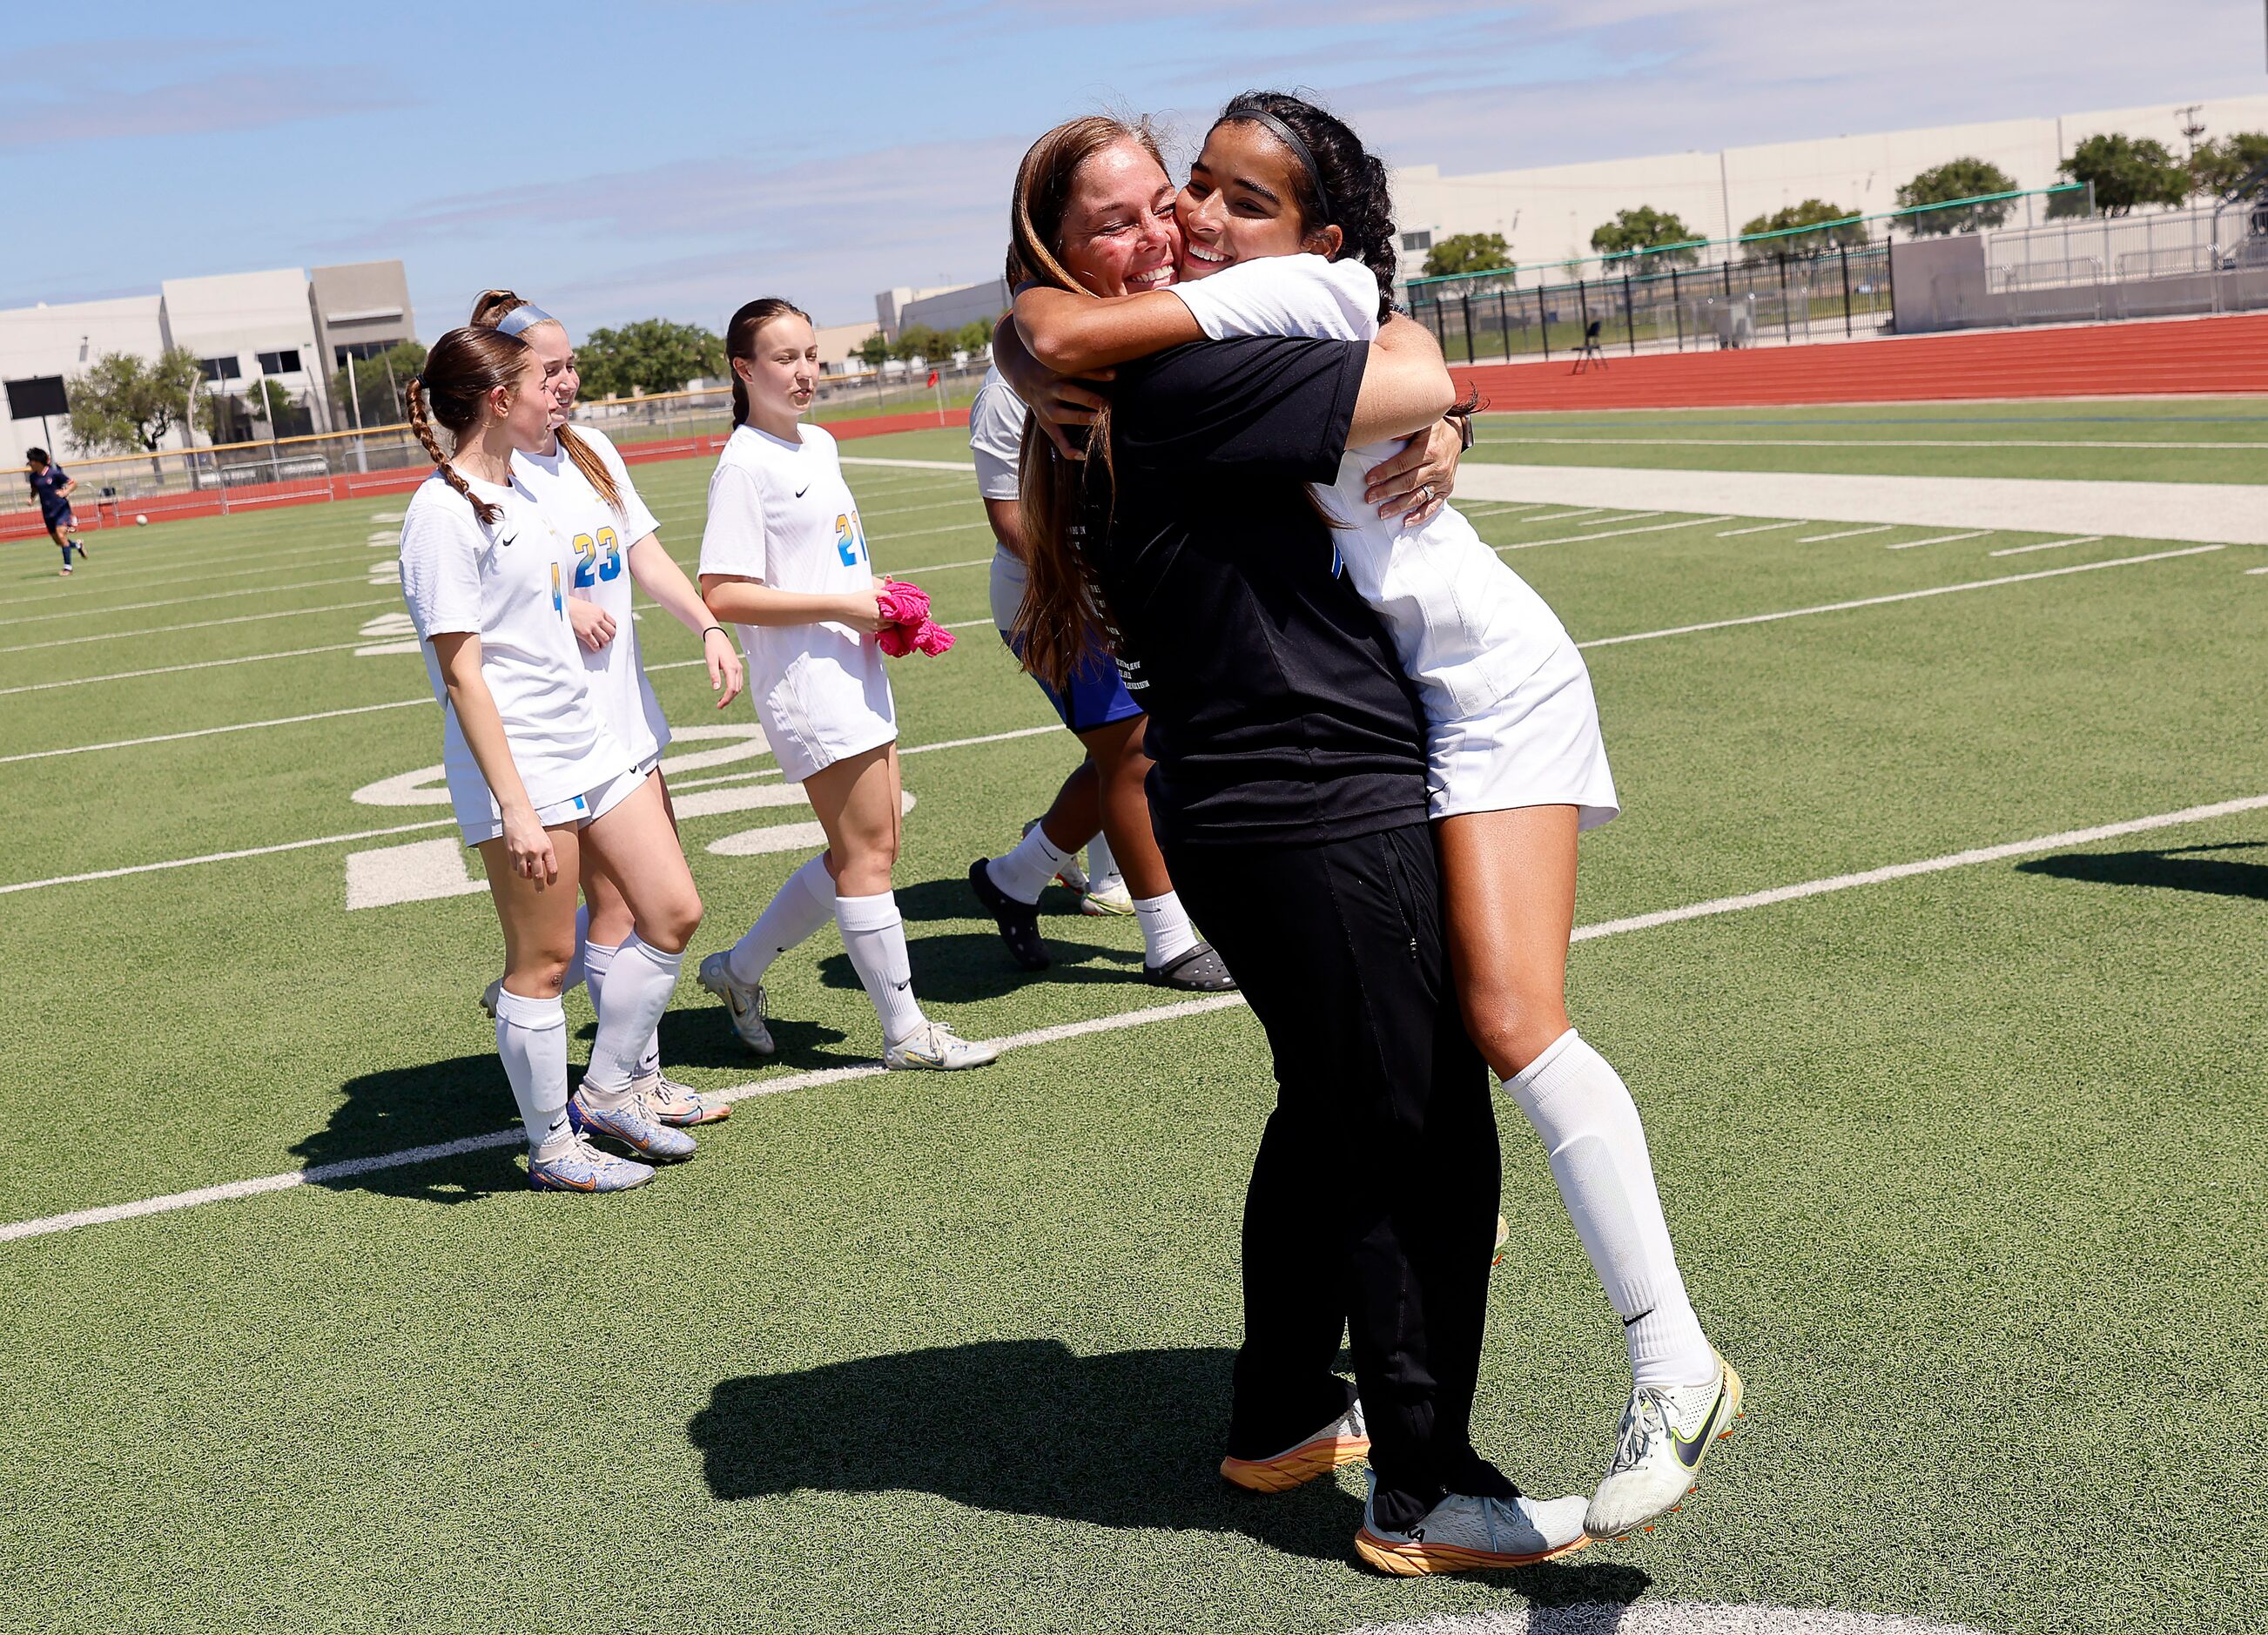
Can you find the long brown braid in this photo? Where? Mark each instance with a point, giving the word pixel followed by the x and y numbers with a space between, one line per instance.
pixel 464 366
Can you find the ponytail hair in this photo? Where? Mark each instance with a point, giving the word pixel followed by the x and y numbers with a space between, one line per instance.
pixel 1336 182
pixel 740 341
pixel 1059 620
pixel 492 308
pixel 464 366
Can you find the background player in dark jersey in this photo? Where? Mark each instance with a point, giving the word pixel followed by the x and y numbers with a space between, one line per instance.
pixel 54 485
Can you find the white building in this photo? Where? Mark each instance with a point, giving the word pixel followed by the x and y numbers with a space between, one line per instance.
pixel 1548 214
pixel 281 326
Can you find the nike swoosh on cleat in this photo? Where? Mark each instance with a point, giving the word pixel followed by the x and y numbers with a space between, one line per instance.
pixel 1688 1454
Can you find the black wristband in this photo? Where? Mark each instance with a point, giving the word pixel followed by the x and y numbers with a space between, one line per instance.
pixel 719 629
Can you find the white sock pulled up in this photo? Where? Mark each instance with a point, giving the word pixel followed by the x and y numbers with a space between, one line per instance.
pixel 1101 864
pixel 599 959
pixel 638 983
pixel 875 936
pixel 1166 934
pixel 1024 873
pixel 1590 1129
pixel 804 903
pixel 531 1036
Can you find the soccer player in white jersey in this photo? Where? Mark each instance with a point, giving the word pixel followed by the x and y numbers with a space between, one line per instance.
pixel 535 773
pixel 580 466
pixel 783 557
pixel 1287 231
pixel 1107 790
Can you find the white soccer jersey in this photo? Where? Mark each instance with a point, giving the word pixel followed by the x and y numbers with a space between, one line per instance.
pixel 601 537
pixel 780 513
pixel 507 582
pixel 1506 696
pixel 996 442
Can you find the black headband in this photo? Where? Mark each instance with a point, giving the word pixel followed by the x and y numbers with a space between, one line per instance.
pixel 1254 113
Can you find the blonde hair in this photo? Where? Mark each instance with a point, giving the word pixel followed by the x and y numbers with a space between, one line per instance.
pixel 491 309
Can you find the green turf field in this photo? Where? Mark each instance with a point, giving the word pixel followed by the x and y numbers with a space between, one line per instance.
pixel 1964 1164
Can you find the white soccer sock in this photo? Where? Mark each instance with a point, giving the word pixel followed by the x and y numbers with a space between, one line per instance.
pixel 531 1036
pixel 1101 863
pixel 598 959
pixel 1166 934
pixel 875 936
pixel 1590 1129
pixel 577 964
pixel 638 983
pixel 804 903
pixel 1024 873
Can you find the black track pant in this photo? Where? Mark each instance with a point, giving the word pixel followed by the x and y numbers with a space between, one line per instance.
pixel 1373 1198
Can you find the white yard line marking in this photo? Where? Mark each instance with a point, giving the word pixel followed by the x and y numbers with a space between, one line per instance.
pixel 1877 601
pixel 2257 570
pixel 174 669
pixel 208 732
pixel 1937 539
pixel 2020 550
pixel 1767 528
pixel 911 465
pixel 200 624
pixel 957 528
pixel 46 1224
pixel 1569 516
pixel 934 505
pixel 1847 533
pixel 176 601
pixel 1651 528
pixel 221 857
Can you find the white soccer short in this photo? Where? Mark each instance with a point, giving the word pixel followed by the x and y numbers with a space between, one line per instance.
pixel 821 712
pixel 574 812
pixel 1538 746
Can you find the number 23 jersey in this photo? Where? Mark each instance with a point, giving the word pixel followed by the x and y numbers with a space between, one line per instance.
pixel 780 513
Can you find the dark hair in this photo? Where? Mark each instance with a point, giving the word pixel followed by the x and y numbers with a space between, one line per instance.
pixel 37 457
pixel 740 341
pixel 1059 619
pixel 490 309
pixel 464 366
pixel 1345 188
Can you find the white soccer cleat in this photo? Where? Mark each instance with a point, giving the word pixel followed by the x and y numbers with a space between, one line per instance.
pixel 745 1001
pixel 1666 1434
pixel 1466 1533
pixel 935 1048
pixel 1108 898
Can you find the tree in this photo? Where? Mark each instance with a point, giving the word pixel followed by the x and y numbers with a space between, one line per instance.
pixel 1642 233
pixel 920 340
pixel 2218 166
pixel 1810 213
pixel 127 403
pixel 652 355
pixel 1966 178
pixel 973 338
pixel 379 392
pixel 2125 171
pixel 1468 253
pixel 875 349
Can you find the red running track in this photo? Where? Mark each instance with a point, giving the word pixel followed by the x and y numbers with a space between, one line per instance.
pixel 2194 356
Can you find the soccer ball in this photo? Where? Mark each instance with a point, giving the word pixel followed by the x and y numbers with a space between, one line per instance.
pixel 141 521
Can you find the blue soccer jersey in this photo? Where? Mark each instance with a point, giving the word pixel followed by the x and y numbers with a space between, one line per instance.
pixel 48 484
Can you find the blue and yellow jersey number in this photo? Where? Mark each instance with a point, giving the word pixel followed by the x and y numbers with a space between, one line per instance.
pixel 601 559
pixel 849 541
pixel 558 601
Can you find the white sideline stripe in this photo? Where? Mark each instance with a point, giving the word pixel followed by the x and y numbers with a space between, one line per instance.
pixel 1767 528
pixel 46 1224
pixel 933 504
pixel 209 731
pixel 1847 533
pixel 1651 528
pixel 221 857
pixel 958 528
pixel 1937 539
pixel 174 669
pixel 1876 602
pixel 910 464
pixel 2256 570
pixel 2019 550
pixel 348 1167
pixel 1569 516
pixel 175 601
pixel 200 624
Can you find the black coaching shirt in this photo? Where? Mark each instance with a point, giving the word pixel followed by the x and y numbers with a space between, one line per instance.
pixel 1277 711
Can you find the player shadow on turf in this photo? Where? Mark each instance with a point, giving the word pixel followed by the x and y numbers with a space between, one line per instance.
pixel 698 1033
pixel 2174 868
pixel 379 1113
pixel 952 900
pixel 962 968
pixel 1123 1440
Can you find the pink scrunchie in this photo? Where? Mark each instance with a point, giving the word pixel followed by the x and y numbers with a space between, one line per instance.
pixel 909 628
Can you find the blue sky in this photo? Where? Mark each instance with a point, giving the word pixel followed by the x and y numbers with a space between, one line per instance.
pixel 677 157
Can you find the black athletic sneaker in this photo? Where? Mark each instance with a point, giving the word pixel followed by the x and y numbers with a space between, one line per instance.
pixel 1200 970
pixel 1019 922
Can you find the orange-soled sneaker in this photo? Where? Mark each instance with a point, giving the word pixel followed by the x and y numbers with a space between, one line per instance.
pixel 1341 1442
pixel 1466 1533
